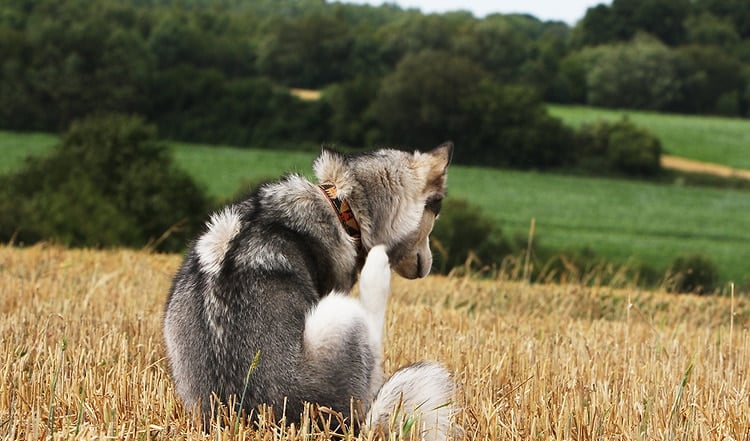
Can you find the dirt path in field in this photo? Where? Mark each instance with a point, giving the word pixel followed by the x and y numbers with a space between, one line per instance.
pixel 689 165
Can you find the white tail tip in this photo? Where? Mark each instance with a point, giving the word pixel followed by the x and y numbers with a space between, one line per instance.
pixel 418 397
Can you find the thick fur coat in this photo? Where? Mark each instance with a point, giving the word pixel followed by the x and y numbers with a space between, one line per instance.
pixel 269 282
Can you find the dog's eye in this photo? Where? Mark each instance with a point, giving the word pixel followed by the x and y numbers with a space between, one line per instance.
pixel 434 205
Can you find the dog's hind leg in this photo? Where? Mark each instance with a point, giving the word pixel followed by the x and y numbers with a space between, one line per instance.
pixel 338 316
pixel 343 339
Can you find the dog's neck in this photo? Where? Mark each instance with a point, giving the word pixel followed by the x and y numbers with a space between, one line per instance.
pixel 342 209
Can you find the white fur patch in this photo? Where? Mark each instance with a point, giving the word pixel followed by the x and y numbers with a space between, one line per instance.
pixel 260 255
pixel 422 391
pixel 332 318
pixel 374 287
pixel 213 245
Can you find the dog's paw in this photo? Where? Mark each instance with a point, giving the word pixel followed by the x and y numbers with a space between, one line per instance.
pixel 375 281
pixel 377 264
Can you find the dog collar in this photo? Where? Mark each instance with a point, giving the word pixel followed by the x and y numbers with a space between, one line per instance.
pixel 342 208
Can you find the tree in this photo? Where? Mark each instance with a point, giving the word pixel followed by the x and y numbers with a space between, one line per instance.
pixel 434 96
pixel 708 29
pixel 708 74
pixel 516 131
pixel 619 148
pixel 625 18
pixel 597 26
pixel 351 121
pixel 309 52
pixel 641 74
pixel 496 45
pixel 428 99
pixel 108 183
pixel 738 11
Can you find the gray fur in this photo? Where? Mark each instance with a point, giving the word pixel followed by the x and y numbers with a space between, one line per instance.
pixel 255 281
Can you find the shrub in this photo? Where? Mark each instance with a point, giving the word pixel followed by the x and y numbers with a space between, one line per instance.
pixel 461 233
pixel 692 274
pixel 110 182
pixel 619 147
pixel 350 121
pixel 633 151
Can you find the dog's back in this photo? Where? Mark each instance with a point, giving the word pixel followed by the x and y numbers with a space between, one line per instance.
pixel 244 289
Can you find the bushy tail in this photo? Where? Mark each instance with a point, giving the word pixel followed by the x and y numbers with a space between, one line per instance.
pixel 417 398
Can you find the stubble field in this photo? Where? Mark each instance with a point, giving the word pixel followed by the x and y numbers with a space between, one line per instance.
pixel 82 357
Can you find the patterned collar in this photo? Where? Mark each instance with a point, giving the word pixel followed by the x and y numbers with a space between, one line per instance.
pixel 346 216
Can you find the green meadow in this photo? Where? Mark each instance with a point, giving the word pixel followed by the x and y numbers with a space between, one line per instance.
pixel 15 147
pixel 704 138
pixel 624 220
pixel 628 221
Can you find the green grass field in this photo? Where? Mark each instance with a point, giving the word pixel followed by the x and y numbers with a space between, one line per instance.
pixel 623 220
pixel 222 170
pixel 712 139
pixel 15 147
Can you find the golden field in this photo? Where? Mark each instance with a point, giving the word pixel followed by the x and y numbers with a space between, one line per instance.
pixel 83 358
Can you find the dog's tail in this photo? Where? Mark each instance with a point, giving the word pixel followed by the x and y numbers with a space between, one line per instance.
pixel 418 397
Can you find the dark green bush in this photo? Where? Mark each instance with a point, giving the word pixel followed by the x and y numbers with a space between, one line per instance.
pixel 584 266
pixel 463 232
pixel 634 151
pixel 202 105
pixel 692 274
pixel 618 147
pixel 350 121
pixel 110 182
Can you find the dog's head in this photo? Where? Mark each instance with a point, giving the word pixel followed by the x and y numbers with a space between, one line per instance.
pixel 395 196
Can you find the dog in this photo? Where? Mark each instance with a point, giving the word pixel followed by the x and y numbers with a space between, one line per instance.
pixel 260 313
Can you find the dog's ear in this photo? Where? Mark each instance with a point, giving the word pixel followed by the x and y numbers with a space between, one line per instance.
pixel 435 165
pixel 329 165
pixel 442 155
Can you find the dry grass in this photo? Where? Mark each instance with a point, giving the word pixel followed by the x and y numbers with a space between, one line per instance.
pixel 82 355
pixel 306 94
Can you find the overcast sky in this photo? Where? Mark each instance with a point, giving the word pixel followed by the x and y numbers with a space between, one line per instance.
pixel 569 11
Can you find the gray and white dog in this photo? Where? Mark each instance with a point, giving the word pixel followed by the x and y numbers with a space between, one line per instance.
pixel 260 311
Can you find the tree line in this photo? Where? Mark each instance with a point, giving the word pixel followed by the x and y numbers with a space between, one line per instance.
pixel 219 71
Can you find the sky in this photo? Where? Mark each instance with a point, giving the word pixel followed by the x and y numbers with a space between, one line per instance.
pixel 569 11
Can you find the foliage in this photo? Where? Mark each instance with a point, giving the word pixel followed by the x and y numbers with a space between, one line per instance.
pixel 203 106
pixel 293 51
pixel 637 75
pixel 351 121
pixel 109 182
pixel 693 274
pixel 428 99
pixel 618 148
pixel 701 62
pixel 464 235
pixel 702 138
pixel 219 71
pixel 584 266
pixel 712 81
pixel 508 126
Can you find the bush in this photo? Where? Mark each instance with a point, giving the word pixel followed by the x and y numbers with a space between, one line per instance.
pixel 463 233
pixel 421 105
pixel 634 151
pixel 692 274
pixel 584 266
pixel 108 183
pixel 202 105
pixel 350 121
pixel 619 148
